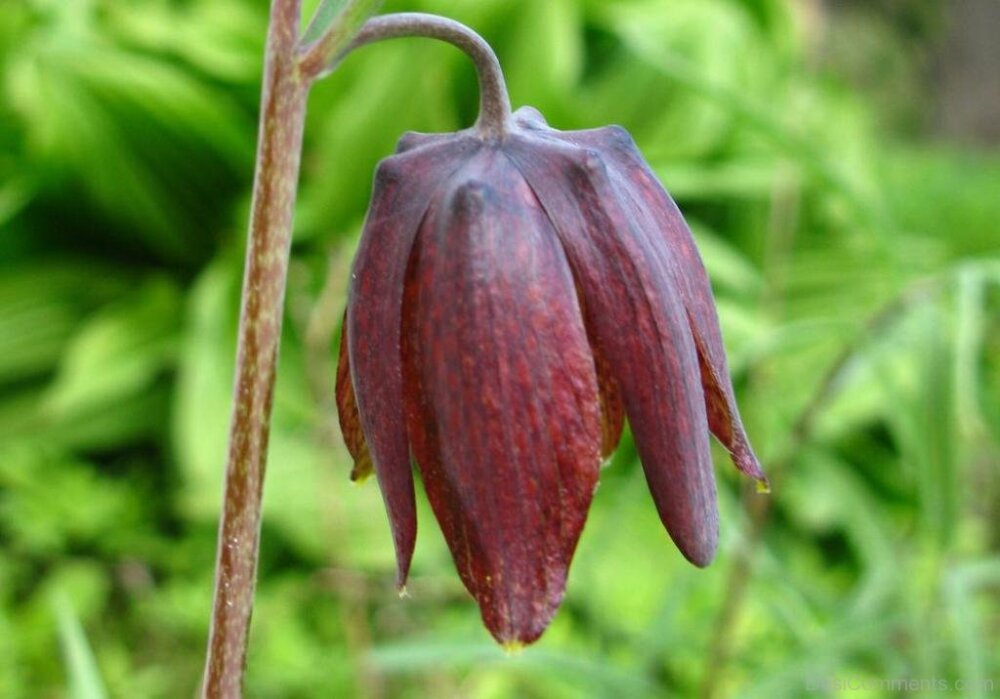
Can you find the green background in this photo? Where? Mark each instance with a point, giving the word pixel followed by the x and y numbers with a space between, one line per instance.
pixel 852 235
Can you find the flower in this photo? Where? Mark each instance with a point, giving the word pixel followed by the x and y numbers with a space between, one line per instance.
pixel 513 298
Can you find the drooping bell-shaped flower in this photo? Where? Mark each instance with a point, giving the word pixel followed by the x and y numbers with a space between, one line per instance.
pixel 519 291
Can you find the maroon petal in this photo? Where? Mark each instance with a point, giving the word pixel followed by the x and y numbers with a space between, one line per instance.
pixel 502 398
pixel 347 414
pixel 412 140
pixel 651 202
pixel 612 407
pixel 404 186
pixel 650 198
pixel 640 325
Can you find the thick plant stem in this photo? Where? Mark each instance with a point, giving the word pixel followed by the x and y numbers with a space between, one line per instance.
pixel 282 120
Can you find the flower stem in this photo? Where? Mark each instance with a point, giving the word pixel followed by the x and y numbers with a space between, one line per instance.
pixel 282 121
pixel 494 103
pixel 289 70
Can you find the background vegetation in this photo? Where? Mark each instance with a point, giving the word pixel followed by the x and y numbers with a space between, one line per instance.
pixel 852 236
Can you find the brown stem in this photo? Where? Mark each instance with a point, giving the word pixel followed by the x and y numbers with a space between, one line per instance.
pixel 282 120
pixel 494 103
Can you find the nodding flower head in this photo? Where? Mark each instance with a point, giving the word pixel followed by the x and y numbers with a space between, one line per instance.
pixel 513 300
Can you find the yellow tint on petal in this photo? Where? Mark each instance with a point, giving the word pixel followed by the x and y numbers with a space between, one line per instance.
pixel 362 469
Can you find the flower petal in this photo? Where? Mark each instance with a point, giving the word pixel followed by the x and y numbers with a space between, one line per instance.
pixel 502 397
pixel 639 324
pixel 347 414
pixel 612 407
pixel 404 186
pixel 649 200
pixel 412 140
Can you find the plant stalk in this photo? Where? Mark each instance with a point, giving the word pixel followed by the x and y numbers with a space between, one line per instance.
pixel 282 121
pixel 320 57
pixel 289 70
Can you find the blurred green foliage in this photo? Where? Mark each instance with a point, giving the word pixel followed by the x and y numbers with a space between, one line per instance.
pixel 857 267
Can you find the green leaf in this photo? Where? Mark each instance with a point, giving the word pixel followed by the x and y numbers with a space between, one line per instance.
pixel 203 393
pixel 598 677
pixel 323 17
pixel 337 21
pixel 119 353
pixel 727 267
pixel 717 38
pixel 356 125
pixel 545 61
pixel 169 144
pixel 222 38
pixel 51 500
pixel 15 194
pixel 81 666
pixel 735 178
pixel 41 305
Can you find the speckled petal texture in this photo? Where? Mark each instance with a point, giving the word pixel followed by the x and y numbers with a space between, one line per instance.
pixel 404 186
pixel 640 325
pixel 516 295
pixel 650 203
pixel 502 396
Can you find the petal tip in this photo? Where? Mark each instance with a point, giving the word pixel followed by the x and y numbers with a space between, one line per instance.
pixel 746 462
pixel 700 550
pixel 700 557
pixel 530 117
pixel 409 141
pixel 363 468
pixel 402 574
pixel 404 539
pixel 513 637
pixel 512 648
pixel 470 197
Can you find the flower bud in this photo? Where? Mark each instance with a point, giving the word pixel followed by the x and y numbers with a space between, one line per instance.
pixel 513 299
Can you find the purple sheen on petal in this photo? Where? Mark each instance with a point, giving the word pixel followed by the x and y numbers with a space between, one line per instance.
pixel 404 186
pixel 612 407
pixel 650 201
pixel 640 325
pixel 501 394
pixel 530 118
pixel 411 140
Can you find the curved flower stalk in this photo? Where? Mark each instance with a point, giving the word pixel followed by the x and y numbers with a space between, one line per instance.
pixel 517 292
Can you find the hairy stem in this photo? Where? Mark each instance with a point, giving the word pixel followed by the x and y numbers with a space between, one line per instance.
pixel 282 120
pixel 494 103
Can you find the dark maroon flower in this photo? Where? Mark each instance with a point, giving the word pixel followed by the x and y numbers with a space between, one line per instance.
pixel 513 298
